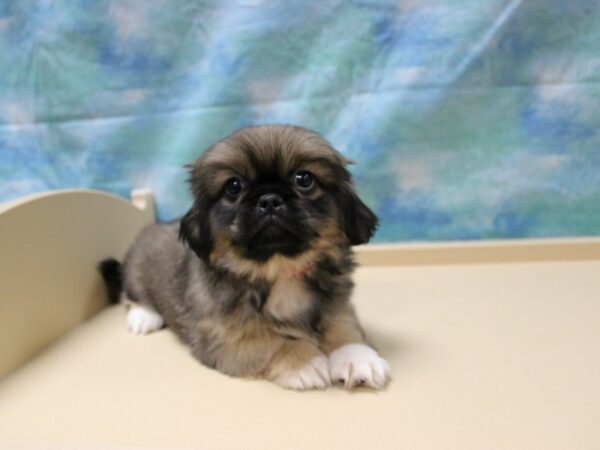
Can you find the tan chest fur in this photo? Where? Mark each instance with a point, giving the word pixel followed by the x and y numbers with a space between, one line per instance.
pixel 288 299
pixel 247 350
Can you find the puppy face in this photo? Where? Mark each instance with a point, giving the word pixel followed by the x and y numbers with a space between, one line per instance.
pixel 272 192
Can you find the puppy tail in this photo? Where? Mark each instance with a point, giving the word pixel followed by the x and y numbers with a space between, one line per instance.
pixel 112 274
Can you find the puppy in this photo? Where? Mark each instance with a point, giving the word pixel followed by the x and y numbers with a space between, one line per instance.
pixel 256 277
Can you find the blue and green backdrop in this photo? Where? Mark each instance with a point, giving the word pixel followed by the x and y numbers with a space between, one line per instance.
pixel 467 119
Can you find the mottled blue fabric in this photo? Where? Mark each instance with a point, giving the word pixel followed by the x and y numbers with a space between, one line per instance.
pixel 467 119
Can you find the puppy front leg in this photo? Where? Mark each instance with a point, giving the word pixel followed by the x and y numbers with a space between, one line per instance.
pixel 299 365
pixel 351 361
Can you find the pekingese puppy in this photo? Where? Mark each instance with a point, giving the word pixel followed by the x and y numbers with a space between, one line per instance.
pixel 256 277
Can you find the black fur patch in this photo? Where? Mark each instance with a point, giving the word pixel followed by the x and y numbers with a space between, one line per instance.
pixel 286 234
pixel 359 222
pixel 195 230
pixel 113 278
pixel 259 295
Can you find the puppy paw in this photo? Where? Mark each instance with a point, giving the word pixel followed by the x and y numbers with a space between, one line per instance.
pixel 143 320
pixel 314 375
pixel 358 365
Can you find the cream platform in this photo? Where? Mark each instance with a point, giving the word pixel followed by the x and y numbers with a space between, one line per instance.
pixel 492 346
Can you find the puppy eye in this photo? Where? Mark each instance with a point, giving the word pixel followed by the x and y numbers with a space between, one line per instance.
pixel 234 186
pixel 304 179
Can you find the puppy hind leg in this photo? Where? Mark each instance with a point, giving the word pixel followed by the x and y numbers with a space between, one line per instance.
pixel 142 319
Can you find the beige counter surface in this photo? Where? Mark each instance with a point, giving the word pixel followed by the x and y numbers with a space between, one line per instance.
pixel 489 356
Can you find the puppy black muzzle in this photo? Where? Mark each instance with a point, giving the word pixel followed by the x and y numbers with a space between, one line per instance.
pixel 270 204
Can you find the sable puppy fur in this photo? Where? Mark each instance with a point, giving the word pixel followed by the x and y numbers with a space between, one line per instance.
pixel 256 277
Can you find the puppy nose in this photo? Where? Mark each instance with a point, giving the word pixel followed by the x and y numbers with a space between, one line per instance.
pixel 270 203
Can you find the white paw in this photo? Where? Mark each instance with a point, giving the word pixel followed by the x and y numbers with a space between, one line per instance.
pixel 143 320
pixel 358 365
pixel 314 375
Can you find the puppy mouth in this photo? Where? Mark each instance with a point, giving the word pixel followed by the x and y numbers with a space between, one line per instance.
pixel 273 235
pixel 272 226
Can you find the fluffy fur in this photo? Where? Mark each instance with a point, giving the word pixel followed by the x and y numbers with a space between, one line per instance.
pixel 256 277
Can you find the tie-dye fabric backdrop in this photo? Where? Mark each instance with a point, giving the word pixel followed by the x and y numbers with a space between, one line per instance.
pixel 467 119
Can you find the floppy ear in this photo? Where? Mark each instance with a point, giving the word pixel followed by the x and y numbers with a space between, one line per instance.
pixel 359 222
pixel 194 229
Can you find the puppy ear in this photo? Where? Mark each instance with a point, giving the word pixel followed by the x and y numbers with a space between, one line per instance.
pixel 194 230
pixel 359 222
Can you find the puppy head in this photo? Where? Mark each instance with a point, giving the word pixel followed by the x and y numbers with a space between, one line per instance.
pixel 272 192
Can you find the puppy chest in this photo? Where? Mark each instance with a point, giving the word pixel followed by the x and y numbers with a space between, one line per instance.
pixel 288 300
